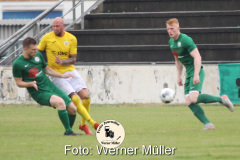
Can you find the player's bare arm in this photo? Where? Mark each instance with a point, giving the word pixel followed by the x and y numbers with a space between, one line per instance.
pixel 20 83
pixel 48 70
pixel 197 65
pixel 70 60
pixel 179 67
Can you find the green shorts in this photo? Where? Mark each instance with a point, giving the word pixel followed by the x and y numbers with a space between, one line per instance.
pixel 43 97
pixel 189 86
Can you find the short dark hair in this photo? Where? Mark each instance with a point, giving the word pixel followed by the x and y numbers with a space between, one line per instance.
pixel 28 41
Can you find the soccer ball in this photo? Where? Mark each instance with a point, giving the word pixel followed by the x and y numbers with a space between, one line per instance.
pixel 167 95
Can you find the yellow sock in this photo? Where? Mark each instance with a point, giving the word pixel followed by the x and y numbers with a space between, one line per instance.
pixel 82 110
pixel 86 104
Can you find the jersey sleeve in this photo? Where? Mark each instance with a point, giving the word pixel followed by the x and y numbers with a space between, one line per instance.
pixel 43 43
pixel 17 71
pixel 73 49
pixel 190 45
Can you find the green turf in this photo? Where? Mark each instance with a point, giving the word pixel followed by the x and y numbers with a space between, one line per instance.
pixel 34 132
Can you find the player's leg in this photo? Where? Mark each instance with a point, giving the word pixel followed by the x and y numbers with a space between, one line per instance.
pixel 86 100
pixel 206 98
pixel 80 87
pixel 197 110
pixel 49 99
pixel 83 94
pixel 69 89
pixel 82 110
pixel 71 108
pixel 59 103
pixel 62 89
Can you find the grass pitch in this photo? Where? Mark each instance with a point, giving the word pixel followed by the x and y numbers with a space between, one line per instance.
pixel 34 132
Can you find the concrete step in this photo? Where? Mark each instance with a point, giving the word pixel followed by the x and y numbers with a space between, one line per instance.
pixel 166 5
pixel 155 36
pixel 154 53
pixel 187 19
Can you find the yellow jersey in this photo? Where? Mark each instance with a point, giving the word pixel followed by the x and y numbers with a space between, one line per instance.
pixel 62 47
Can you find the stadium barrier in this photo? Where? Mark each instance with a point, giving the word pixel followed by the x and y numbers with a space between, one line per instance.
pixel 116 84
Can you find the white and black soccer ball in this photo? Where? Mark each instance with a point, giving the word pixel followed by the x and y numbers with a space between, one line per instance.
pixel 167 95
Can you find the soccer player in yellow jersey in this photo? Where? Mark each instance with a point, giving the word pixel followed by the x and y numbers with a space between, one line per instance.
pixel 61 51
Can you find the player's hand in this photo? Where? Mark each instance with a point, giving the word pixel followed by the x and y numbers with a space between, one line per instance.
pixel 179 82
pixel 196 79
pixel 67 75
pixel 58 60
pixel 34 84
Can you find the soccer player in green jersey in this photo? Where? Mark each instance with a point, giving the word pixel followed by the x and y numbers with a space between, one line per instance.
pixel 186 54
pixel 29 72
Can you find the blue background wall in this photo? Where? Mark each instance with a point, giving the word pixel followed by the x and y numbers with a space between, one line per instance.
pixel 30 15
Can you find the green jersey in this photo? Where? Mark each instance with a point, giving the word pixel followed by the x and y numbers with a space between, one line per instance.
pixel 32 70
pixel 182 48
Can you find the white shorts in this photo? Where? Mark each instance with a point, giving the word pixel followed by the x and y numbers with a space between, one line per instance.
pixel 69 85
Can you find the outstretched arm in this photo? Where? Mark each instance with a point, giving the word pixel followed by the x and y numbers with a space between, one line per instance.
pixel 54 73
pixel 197 65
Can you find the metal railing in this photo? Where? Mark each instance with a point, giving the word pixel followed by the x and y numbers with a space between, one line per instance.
pixel 83 14
pixel 36 23
pixel 16 36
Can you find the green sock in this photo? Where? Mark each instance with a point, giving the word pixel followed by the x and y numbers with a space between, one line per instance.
pixel 206 98
pixel 71 119
pixel 199 113
pixel 63 115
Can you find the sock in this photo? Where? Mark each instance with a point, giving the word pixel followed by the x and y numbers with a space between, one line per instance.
pixel 206 98
pixel 86 104
pixel 199 113
pixel 71 119
pixel 82 110
pixel 63 115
